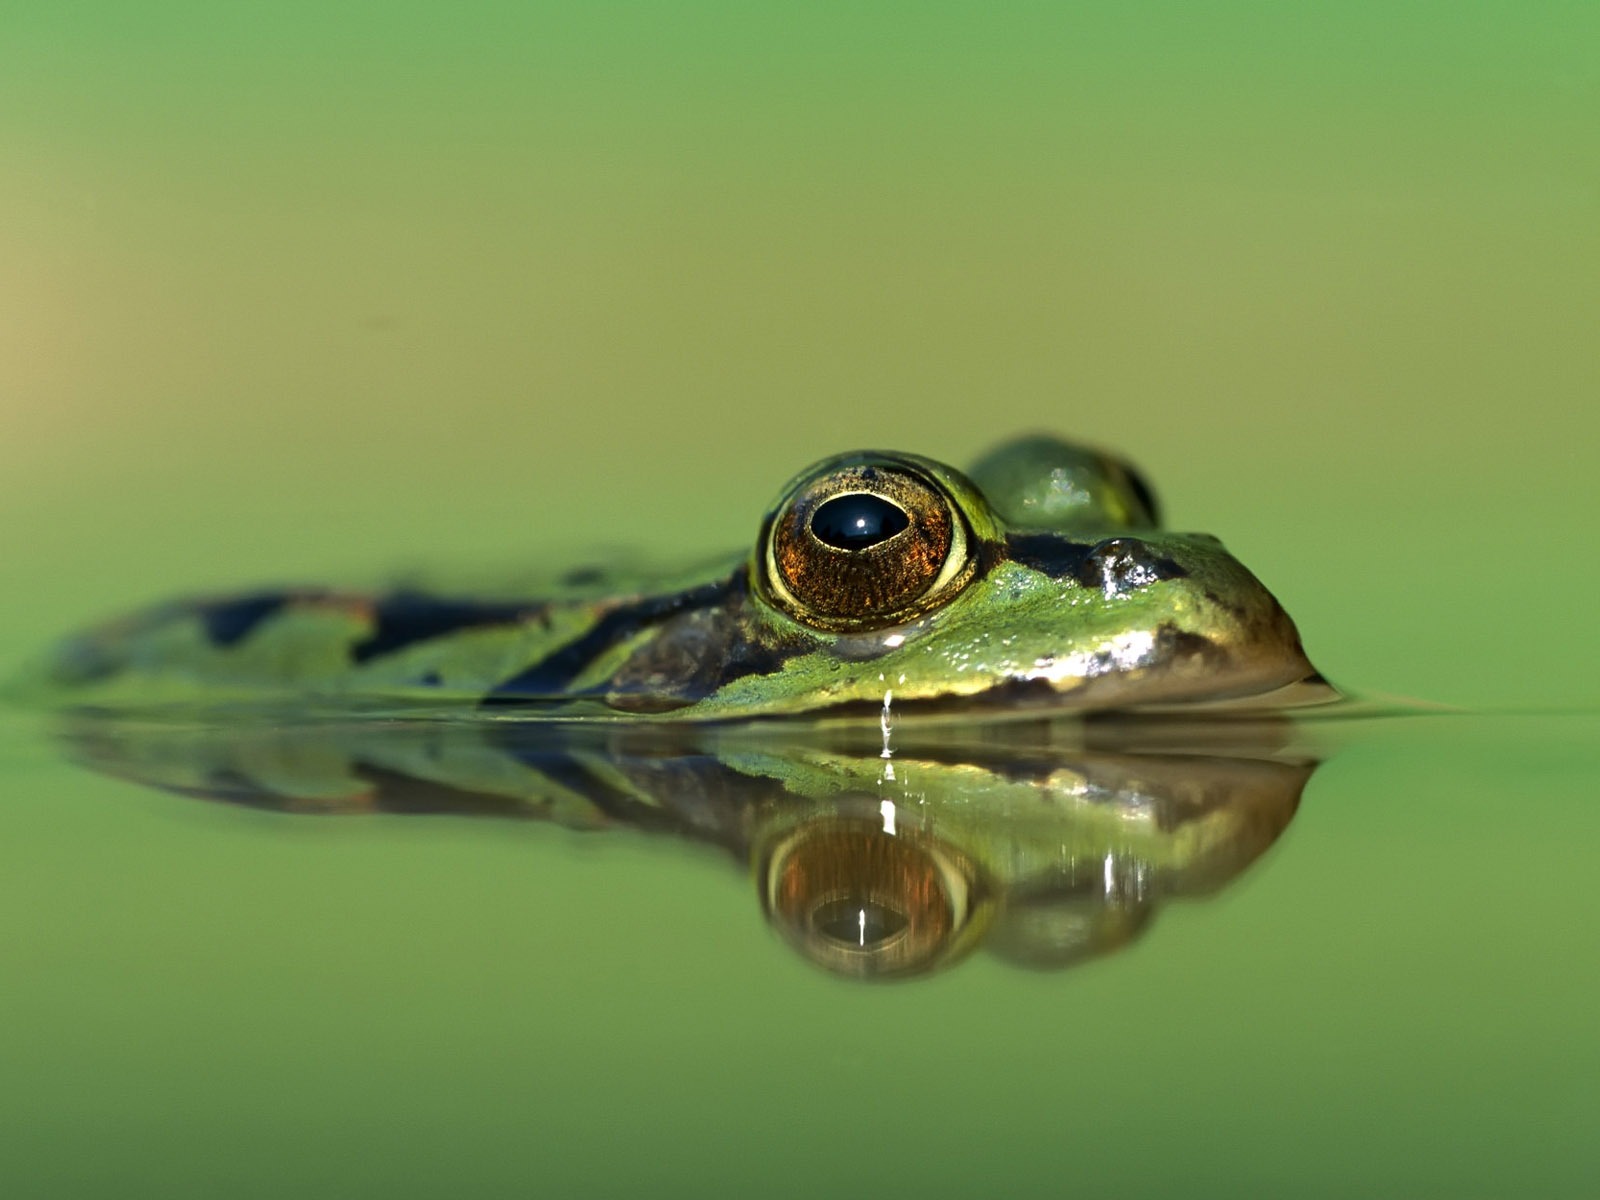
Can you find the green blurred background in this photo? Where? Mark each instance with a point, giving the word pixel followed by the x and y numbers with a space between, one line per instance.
pixel 305 290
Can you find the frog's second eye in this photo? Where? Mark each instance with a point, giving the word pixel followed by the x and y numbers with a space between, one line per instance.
pixel 864 545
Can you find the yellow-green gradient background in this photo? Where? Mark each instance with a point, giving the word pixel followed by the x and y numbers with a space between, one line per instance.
pixel 303 291
pixel 298 290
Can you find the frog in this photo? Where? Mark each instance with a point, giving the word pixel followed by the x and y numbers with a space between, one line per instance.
pixel 1041 579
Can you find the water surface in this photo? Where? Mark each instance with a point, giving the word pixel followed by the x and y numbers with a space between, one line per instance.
pixel 205 997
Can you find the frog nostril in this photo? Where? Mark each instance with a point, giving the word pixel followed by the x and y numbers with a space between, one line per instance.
pixel 1120 565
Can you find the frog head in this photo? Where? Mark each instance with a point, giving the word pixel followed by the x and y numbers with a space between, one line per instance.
pixel 1041 580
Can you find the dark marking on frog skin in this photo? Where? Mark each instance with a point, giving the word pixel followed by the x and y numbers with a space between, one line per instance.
pixel 552 676
pixel 228 622
pixel 403 619
pixel 1232 607
pixel 399 619
pixel 1113 565
pixel 1124 564
pixel 1172 642
pixel 694 654
pixel 1048 553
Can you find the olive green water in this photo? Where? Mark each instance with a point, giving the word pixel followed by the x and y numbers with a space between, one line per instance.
pixel 312 292
pixel 1397 1000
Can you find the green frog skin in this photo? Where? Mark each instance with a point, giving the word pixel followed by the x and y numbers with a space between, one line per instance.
pixel 1040 580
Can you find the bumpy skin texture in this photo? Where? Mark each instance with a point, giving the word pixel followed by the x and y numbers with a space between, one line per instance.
pixel 1065 596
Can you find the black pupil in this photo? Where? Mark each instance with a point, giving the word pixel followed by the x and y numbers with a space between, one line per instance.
pixel 859 923
pixel 857 521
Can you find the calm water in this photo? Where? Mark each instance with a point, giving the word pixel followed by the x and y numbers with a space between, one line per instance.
pixel 290 294
pixel 1181 976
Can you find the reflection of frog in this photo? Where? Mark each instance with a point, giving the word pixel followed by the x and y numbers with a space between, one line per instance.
pixel 1041 580
pixel 1045 843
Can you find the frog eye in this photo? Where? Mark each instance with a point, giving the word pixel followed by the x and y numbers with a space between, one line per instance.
pixel 865 544
pixel 860 902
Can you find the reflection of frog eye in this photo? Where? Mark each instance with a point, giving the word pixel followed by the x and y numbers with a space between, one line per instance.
pixel 861 545
pixel 864 903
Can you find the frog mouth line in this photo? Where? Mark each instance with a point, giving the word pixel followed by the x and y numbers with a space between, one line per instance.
pixel 1031 699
